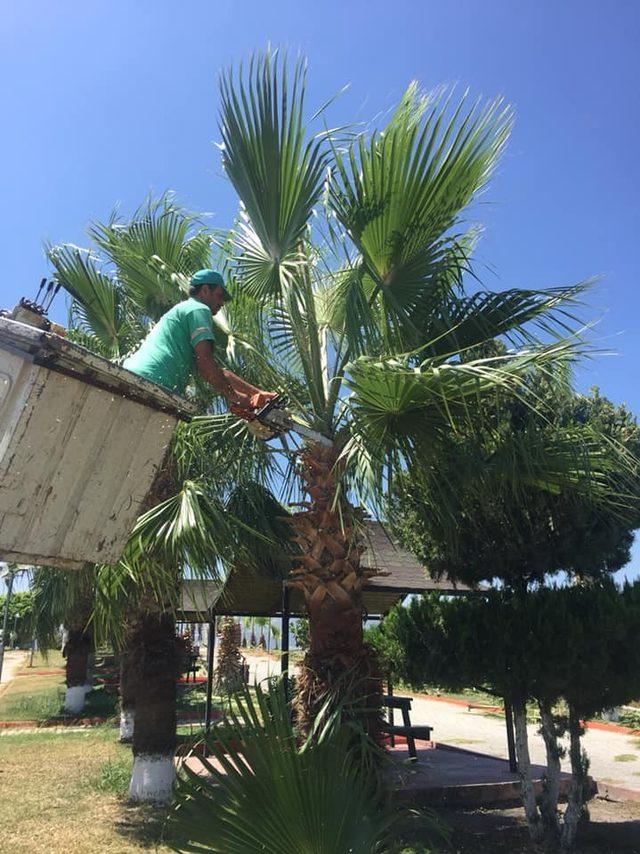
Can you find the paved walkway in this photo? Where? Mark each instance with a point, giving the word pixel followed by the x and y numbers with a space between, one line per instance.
pixel 614 757
pixel 13 660
pixel 475 731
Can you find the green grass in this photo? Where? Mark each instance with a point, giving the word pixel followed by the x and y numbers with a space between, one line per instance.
pixel 44 701
pixel 630 719
pixel 62 791
pixel 625 757
pixel 113 776
pixel 39 706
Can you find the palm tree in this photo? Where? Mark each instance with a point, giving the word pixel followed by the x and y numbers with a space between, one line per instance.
pixel 63 598
pixel 262 622
pixel 276 634
pixel 349 256
pixel 134 272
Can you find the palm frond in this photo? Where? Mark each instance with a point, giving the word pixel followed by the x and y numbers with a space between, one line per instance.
pixel 97 307
pixel 460 324
pixel 153 253
pixel 260 510
pixel 56 595
pixel 190 528
pixel 276 172
pixel 396 411
pixel 271 795
pixel 400 194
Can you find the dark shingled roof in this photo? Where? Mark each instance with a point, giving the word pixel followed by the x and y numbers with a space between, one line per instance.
pixel 247 594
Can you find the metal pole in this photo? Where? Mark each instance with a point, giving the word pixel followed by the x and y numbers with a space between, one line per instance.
pixel 284 659
pixel 211 643
pixel 511 743
pixel 5 619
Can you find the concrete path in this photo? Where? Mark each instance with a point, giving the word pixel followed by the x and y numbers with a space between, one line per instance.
pixel 614 757
pixel 475 731
pixel 13 661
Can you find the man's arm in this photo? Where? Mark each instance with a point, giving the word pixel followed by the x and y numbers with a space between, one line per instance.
pixel 238 392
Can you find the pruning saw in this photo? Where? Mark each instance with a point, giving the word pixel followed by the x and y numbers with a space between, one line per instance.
pixel 278 420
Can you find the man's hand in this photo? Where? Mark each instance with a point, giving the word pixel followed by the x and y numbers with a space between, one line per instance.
pixel 241 405
pixel 261 398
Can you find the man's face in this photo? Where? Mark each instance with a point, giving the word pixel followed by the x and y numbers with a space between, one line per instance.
pixel 213 297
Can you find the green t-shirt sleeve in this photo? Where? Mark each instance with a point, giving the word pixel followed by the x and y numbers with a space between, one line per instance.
pixel 200 326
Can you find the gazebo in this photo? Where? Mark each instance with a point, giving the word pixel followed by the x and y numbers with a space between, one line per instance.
pixel 247 594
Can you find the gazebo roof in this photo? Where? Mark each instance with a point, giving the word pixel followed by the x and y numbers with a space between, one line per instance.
pixel 248 594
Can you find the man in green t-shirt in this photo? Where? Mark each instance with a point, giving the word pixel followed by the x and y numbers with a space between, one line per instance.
pixel 181 344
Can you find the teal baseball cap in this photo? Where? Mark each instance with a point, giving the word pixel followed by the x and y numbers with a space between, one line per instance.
pixel 210 277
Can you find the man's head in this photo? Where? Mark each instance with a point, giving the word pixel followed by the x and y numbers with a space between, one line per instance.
pixel 207 286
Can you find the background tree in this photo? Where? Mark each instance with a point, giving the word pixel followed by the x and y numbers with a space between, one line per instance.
pixel 19 615
pixel 300 630
pixel 575 644
pixel 275 629
pixel 66 599
pixel 228 677
pixel 262 623
pixel 523 540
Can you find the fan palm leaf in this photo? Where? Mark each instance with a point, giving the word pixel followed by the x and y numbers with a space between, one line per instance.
pixel 276 172
pixel 400 193
pixel 266 793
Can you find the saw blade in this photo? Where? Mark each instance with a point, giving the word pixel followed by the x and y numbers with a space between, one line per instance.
pixel 280 420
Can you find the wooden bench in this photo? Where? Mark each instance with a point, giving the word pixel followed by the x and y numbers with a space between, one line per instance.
pixel 407 730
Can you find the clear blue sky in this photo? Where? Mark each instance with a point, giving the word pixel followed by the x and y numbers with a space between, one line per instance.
pixel 103 102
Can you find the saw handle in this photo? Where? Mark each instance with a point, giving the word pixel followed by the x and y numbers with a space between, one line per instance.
pixel 281 401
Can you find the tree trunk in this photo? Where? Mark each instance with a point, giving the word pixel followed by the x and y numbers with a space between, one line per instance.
pixel 128 684
pixel 77 651
pixel 154 735
pixel 337 666
pixel 154 648
pixel 228 675
pixel 551 788
pixel 577 796
pixel 524 771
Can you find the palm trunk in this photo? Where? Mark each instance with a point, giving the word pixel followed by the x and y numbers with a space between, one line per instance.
pixel 551 788
pixel 154 648
pixel 337 666
pixel 128 684
pixel 524 771
pixel 154 735
pixel 77 651
pixel 577 796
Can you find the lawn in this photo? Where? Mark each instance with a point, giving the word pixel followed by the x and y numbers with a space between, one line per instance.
pixel 37 693
pixel 63 792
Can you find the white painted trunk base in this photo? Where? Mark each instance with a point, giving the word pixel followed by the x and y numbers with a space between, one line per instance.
pixel 126 724
pixel 152 779
pixel 74 698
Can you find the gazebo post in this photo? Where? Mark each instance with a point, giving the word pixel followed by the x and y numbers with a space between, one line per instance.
pixel 284 659
pixel 210 650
